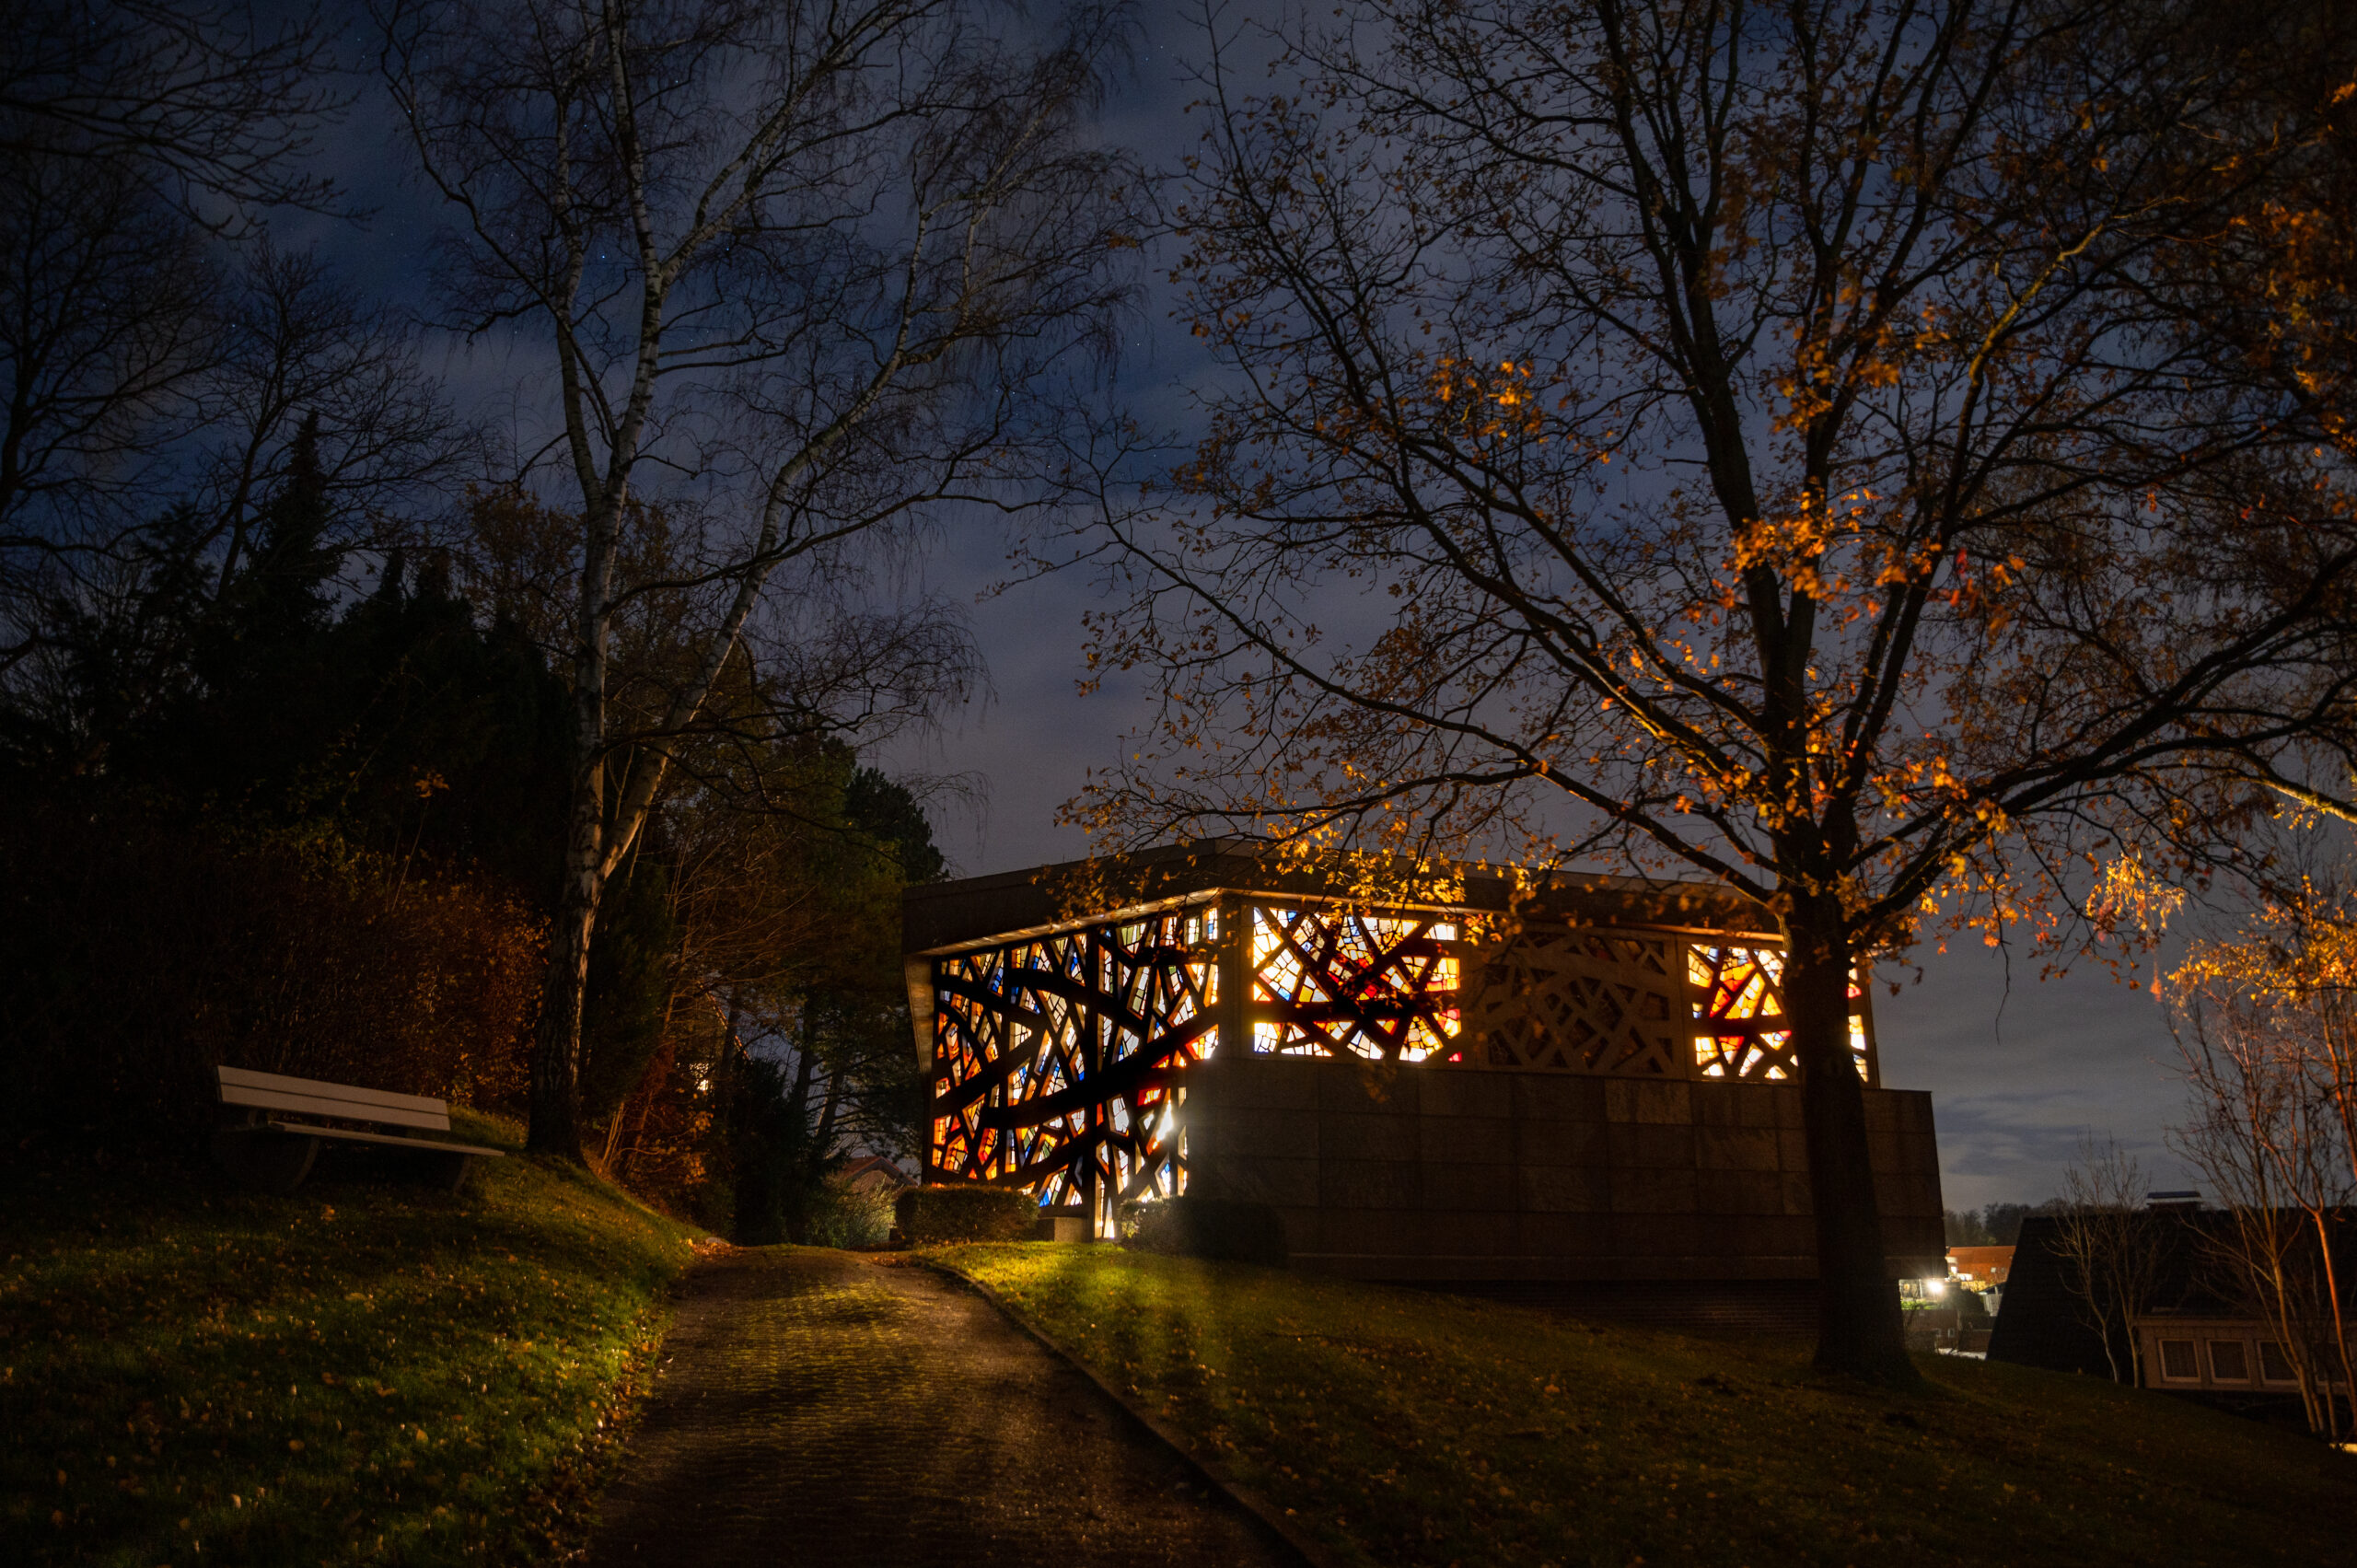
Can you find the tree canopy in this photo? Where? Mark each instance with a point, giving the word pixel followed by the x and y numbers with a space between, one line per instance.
pixel 1851 452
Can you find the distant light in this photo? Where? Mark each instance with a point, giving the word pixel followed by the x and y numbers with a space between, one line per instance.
pixel 1936 1287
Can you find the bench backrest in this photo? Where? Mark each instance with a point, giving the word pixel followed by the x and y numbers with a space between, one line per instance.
pixel 271 1091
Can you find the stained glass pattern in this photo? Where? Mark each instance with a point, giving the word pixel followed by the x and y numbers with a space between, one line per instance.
pixel 1055 1060
pixel 1346 982
pixel 1738 1010
pixel 1058 1060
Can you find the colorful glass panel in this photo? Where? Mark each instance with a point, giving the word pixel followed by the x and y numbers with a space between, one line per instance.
pixel 1738 1012
pixel 1058 1060
pixel 1345 982
pixel 1054 1060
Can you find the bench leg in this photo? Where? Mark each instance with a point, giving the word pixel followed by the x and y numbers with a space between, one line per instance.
pixel 448 1171
pixel 265 1158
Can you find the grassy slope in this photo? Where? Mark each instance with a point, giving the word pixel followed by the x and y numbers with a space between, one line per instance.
pixel 361 1372
pixel 1407 1428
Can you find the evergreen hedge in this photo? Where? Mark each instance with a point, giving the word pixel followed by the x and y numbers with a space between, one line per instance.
pixel 928 1216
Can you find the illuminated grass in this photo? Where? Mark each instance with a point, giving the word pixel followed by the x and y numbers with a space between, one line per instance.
pixel 1406 1428
pixel 359 1373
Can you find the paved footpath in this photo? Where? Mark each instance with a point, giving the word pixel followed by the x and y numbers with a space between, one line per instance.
pixel 815 1408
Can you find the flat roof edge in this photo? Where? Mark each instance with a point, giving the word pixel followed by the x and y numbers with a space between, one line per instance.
pixel 1014 905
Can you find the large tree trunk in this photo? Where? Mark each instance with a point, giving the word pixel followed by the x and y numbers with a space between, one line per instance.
pixel 1858 1327
pixel 556 1051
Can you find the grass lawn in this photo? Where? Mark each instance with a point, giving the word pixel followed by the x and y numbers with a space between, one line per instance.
pixel 1407 1428
pixel 362 1372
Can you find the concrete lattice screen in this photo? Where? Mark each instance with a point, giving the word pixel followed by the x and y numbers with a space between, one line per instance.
pixel 1060 1057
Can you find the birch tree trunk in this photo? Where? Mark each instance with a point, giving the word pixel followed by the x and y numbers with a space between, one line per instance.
pixel 821 267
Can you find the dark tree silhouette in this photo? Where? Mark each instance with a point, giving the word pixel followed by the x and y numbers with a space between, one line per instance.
pixel 810 270
pixel 1838 449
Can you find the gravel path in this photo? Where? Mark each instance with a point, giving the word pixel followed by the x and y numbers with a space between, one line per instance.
pixel 816 1408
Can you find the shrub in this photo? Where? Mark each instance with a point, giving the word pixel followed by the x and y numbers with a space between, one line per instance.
pixel 964 1211
pixel 1212 1228
pixel 134 957
pixel 851 1216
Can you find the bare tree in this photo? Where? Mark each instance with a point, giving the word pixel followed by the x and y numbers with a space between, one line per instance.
pixel 160 380
pixel 157 352
pixel 130 134
pixel 2264 1028
pixel 205 106
pixel 107 333
pixel 1816 447
pixel 777 904
pixel 814 269
pixel 2111 1256
pixel 299 342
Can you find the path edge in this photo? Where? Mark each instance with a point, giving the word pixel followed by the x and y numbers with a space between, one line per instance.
pixel 1271 1518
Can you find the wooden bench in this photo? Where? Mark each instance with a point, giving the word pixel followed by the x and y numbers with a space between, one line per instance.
pixel 265 1149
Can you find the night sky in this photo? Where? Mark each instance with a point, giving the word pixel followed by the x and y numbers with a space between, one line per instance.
pixel 2018 1072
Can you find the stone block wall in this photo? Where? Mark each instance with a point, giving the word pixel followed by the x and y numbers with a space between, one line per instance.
pixel 1412 1173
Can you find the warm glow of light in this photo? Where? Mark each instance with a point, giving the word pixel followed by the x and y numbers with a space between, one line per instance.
pixel 1267 926
pixel 1049 1016
pixel 1743 986
pixel 1042 1017
pixel 1362 985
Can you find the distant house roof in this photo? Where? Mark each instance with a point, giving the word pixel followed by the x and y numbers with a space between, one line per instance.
pixel 874 1171
pixel 2046 1324
pixel 1982 1265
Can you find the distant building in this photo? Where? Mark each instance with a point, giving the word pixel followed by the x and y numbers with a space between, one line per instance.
pixel 2197 1335
pixel 2187 1353
pixel 875 1174
pixel 1982 1270
pixel 1578 1095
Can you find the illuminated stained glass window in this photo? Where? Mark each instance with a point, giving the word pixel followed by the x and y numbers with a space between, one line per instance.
pixel 1055 1060
pixel 1738 1008
pixel 1342 982
pixel 1058 1060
